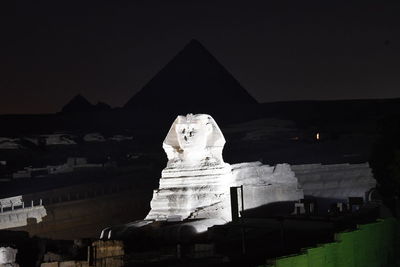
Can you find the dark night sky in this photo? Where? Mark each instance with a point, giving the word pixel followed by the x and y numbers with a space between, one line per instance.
pixel 107 50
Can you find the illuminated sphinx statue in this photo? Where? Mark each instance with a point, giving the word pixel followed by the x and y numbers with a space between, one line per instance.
pixel 194 186
pixel 196 175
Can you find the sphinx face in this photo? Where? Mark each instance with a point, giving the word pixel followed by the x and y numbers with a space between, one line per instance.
pixel 193 140
pixel 193 136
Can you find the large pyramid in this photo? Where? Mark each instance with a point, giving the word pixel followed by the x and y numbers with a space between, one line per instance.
pixel 192 82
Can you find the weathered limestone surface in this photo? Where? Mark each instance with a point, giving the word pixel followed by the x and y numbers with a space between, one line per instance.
pixel 263 184
pixel 336 181
pixel 7 257
pixel 13 213
pixel 10 202
pixel 196 176
pixel 19 217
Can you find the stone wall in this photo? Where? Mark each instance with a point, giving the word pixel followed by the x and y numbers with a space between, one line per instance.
pixel 66 264
pixel 336 181
pixel 22 217
pixel 108 253
pixel 83 211
pixel 264 184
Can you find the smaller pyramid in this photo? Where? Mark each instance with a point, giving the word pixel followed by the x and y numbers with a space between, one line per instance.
pixel 101 106
pixel 77 104
pixel 192 82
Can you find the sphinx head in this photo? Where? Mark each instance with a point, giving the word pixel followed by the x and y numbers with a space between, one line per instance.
pixel 194 139
pixel 193 132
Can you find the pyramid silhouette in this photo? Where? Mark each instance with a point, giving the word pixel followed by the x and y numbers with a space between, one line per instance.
pixel 192 82
pixel 77 104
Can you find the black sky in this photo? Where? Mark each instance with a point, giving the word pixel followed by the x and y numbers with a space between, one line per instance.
pixel 278 50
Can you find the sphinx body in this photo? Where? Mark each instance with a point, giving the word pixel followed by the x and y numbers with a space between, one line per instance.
pixel 196 182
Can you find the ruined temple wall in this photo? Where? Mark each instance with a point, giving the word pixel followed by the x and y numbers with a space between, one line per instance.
pixel 21 217
pixel 85 217
pixel 336 181
pixel 264 184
